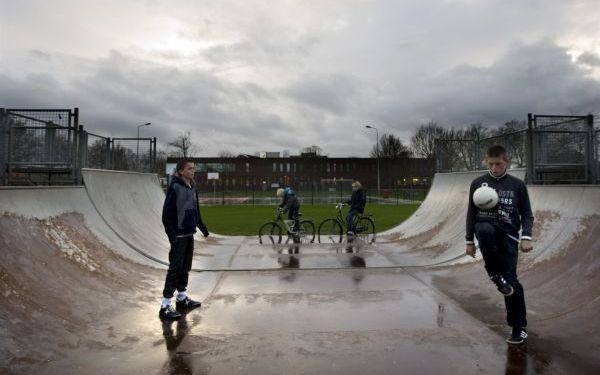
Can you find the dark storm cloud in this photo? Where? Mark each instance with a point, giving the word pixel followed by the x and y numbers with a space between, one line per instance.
pixel 538 78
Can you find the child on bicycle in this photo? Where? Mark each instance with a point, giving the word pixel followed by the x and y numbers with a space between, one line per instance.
pixel 291 205
pixel 357 203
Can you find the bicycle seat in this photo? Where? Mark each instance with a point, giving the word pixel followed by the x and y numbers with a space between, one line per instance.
pixel 299 213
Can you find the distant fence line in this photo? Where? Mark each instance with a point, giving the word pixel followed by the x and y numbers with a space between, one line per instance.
pixel 314 194
pixel 49 147
pixel 554 149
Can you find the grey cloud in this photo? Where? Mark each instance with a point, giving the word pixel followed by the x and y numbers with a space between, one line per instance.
pixel 538 78
pixel 589 58
pixel 329 92
pixel 41 55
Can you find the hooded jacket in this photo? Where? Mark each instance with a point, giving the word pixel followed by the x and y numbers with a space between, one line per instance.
pixel 358 200
pixel 181 210
pixel 289 200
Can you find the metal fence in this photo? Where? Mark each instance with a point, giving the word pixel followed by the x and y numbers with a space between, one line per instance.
pixel 319 193
pixel 455 155
pixel 49 147
pixel 555 149
pixel 561 149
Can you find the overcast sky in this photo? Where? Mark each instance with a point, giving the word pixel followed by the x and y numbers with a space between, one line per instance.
pixel 247 76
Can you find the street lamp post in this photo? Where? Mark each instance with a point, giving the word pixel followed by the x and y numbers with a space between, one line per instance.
pixel 377 151
pixel 137 151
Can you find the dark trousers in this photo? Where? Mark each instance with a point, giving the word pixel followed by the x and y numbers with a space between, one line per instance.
pixel 180 264
pixel 500 254
pixel 293 214
pixel 350 218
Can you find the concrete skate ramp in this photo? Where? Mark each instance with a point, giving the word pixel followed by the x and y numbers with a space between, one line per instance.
pixel 131 205
pixel 81 298
pixel 43 203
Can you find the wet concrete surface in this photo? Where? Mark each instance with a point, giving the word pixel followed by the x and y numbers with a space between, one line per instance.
pixel 70 318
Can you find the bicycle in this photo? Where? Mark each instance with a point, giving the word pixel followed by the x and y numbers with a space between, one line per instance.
pixel 271 232
pixel 331 230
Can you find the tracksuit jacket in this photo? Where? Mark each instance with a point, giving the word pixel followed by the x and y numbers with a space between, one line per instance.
pixel 357 201
pixel 181 211
pixel 512 212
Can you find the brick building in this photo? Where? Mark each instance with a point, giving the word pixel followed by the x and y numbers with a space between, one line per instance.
pixel 303 172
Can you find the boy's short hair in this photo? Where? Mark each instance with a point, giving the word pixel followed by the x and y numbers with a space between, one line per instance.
pixel 496 151
pixel 181 164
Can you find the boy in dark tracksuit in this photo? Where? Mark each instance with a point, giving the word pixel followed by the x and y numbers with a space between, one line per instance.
pixel 291 205
pixel 497 231
pixel 181 217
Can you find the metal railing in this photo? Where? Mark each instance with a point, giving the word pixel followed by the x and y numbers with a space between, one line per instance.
pixel 555 149
pixel 48 147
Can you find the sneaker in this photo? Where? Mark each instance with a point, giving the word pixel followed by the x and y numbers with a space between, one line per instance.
pixel 518 336
pixel 187 304
pixel 504 287
pixel 168 313
pixel 350 233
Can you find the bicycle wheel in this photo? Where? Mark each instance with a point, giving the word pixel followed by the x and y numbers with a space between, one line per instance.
pixel 270 234
pixel 330 231
pixel 307 231
pixel 365 229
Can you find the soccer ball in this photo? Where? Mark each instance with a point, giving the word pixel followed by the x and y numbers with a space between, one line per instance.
pixel 485 197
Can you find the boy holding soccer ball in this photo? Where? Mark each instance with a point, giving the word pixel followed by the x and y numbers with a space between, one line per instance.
pixel 498 208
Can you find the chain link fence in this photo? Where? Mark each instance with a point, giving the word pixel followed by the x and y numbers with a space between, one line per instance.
pixel 455 155
pixel 324 192
pixel 49 147
pixel 562 149
pixel 555 149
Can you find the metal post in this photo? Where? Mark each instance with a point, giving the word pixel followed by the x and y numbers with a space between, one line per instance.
pixel 154 156
pixel 530 153
pixel 107 160
pixel 3 145
pixel 83 141
pixel 137 150
pixel 75 147
pixel 589 119
pixel 377 154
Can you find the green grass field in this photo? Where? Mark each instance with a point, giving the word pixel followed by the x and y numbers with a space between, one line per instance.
pixel 246 220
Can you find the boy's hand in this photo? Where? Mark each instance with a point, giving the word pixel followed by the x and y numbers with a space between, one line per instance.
pixel 471 250
pixel 526 246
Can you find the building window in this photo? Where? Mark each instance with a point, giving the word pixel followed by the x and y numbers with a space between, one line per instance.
pixel 328 170
pixel 280 167
pixel 288 168
pixel 294 167
pixel 274 167
pixel 247 167
pixel 334 167
pixel 347 167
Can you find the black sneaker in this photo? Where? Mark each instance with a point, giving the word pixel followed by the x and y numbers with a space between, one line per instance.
pixel 504 287
pixel 518 336
pixel 168 313
pixel 187 304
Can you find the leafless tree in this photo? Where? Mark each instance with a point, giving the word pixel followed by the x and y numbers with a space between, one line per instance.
pixel 390 147
pixel 183 146
pixel 422 143
pixel 225 154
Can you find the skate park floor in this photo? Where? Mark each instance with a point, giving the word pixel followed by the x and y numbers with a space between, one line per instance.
pixel 82 284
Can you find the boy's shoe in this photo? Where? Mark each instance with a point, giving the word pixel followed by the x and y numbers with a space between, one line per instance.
pixel 187 304
pixel 518 336
pixel 168 313
pixel 504 287
pixel 350 233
